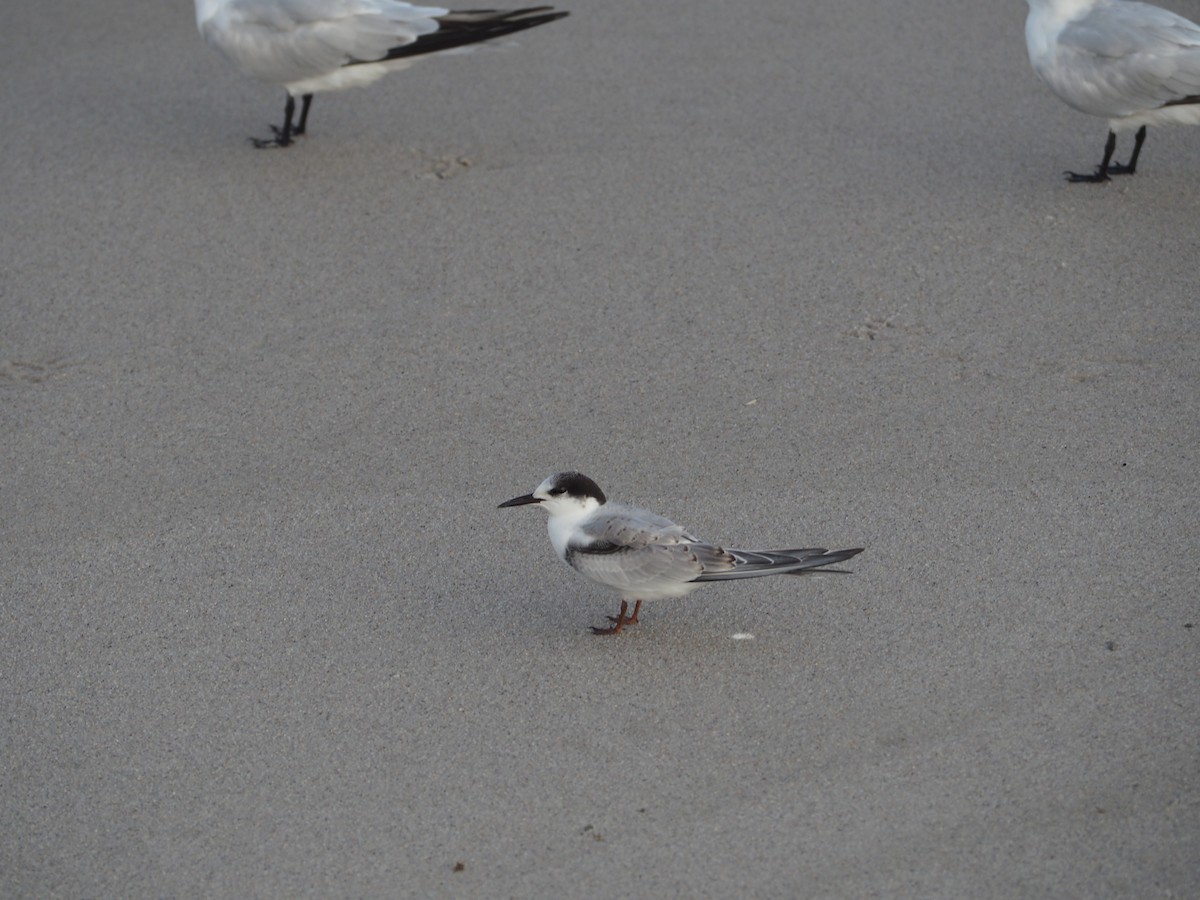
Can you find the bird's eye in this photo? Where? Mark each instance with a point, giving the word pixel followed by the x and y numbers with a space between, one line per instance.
pixel 554 492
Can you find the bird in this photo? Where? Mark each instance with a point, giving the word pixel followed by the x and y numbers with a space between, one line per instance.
pixel 1131 63
pixel 307 46
pixel 644 556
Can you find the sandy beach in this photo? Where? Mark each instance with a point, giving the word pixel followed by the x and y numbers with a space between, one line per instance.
pixel 792 274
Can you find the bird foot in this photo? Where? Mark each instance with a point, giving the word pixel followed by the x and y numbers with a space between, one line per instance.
pixel 1096 177
pixel 620 620
pixel 1120 169
pixel 283 138
pixel 630 620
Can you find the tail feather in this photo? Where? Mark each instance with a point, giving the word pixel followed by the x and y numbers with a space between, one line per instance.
pixel 752 563
pixel 458 29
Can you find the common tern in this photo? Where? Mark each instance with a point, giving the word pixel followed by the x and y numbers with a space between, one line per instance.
pixel 308 46
pixel 1131 63
pixel 644 556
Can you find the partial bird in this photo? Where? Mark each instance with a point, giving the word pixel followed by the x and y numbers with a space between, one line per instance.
pixel 644 556
pixel 307 46
pixel 1131 63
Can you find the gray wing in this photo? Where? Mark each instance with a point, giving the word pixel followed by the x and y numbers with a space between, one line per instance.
pixel 1121 59
pixel 752 563
pixel 281 41
pixel 631 549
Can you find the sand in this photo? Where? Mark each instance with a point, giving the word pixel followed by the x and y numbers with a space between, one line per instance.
pixel 791 274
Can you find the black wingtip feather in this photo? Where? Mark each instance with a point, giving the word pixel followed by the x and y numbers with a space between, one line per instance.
pixel 474 27
pixel 828 559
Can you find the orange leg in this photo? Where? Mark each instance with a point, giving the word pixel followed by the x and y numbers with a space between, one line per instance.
pixel 620 620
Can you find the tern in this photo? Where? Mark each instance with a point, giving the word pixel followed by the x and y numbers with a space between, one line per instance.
pixel 1131 63
pixel 644 556
pixel 308 46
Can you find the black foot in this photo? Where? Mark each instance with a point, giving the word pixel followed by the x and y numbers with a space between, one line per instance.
pixel 1096 177
pixel 1107 167
pixel 282 138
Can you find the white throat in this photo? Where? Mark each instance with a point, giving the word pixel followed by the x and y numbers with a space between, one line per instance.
pixel 565 518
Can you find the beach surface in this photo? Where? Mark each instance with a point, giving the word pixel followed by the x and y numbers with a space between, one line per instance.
pixel 791 274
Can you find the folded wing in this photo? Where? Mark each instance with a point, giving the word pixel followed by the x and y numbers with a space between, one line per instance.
pixel 752 563
pixel 634 550
pixel 284 41
pixel 1124 58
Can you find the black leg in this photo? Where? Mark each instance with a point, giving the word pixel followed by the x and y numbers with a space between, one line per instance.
pixel 303 123
pixel 283 136
pixel 1131 166
pixel 1101 173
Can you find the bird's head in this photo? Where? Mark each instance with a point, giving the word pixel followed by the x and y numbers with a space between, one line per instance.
pixel 565 493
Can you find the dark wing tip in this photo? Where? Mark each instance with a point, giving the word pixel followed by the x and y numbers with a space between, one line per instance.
pixel 836 556
pixel 460 28
pixel 828 558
